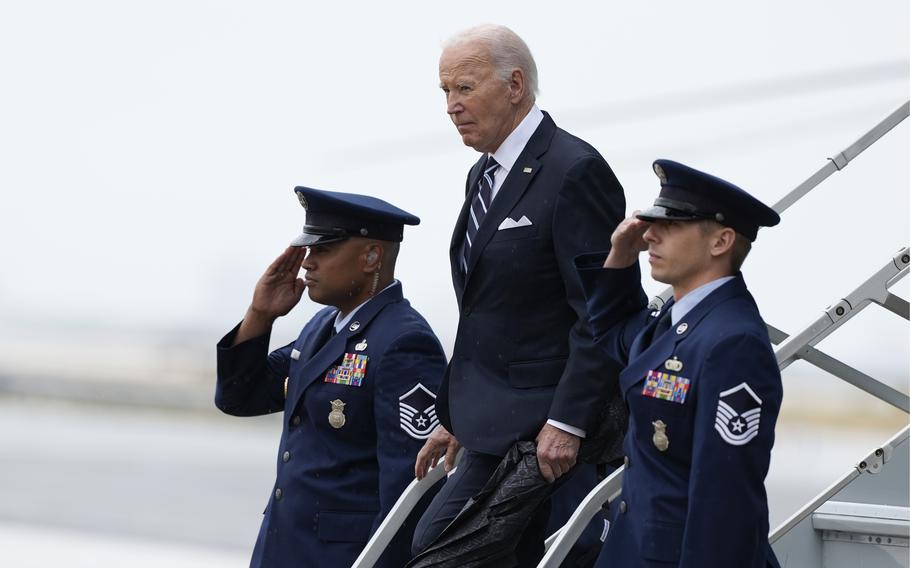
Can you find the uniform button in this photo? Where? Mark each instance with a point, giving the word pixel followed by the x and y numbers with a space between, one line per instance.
pixel 625 462
pixel 622 506
pixel 295 421
pixel 286 456
pixel 278 494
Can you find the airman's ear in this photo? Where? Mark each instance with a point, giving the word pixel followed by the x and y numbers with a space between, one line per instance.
pixel 373 257
pixel 722 241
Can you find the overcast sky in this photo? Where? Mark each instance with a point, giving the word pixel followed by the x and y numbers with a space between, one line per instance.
pixel 150 149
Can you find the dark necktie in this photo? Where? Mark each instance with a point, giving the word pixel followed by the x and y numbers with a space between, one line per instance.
pixel 479 206
pixel 325 336
pixel 663 324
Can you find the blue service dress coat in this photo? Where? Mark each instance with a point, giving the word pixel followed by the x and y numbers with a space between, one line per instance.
pixel 703 398
pixel 523 352
pixel 357 409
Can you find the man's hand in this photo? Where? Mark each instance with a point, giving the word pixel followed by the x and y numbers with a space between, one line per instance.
pixel 438 444
pixel 277 291
pixel 627 242
pixel 280 287
pixel 556 452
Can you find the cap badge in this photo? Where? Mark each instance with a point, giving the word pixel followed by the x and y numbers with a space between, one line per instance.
pixel 660 439
pixel 681 328
pixel 660 173
pixel 673 364
pixel 354 326
pixel 361 346
pixel 336 416
pixel 301 199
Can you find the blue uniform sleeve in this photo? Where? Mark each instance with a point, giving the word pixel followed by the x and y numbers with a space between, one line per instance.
pixel 739 395
pixel 589 206
pixel 615 303
pixel 250 380
pixel 409 375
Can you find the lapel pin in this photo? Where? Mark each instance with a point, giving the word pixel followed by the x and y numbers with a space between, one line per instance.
pixel 673 364
pixel 361 346
pixel 682 328
pixel 660 439
pixel 527 170
pixel 336 416
pixel 295 354
pixel 354 326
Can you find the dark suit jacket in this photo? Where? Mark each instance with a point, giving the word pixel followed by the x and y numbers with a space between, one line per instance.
pixel 701 500
pixel 523 352
pixel 338 483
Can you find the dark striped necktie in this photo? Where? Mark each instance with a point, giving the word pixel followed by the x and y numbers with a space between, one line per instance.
pixel 479 206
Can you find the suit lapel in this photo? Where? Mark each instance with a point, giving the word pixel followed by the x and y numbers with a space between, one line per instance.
pixel 644 358
pixel 322 360
pixel 523 172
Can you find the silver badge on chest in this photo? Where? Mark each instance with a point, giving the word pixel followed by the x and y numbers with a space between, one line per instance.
pixel 660 439
pixel 673 364
pixel 336 416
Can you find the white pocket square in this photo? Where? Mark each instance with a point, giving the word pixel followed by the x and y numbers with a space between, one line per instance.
pixel 509 223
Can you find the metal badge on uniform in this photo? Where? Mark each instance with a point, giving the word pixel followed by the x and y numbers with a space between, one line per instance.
pixel 738 414
pixel 354 326
pixel 681 328
pixel 666 387
pixel 295 354
pixel 417 410
pixel 673 364
pixel 336 416
pixel 660 439
pixel 527 170
pixel 361 346
pixel 350 372
pixel 286 386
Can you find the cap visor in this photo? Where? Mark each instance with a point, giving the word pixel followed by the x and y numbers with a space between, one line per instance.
pixel 309 239
pixel 657 213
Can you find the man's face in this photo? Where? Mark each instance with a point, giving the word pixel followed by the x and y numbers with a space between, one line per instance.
pixel 679 252
pixel 478 100
pixel 334 274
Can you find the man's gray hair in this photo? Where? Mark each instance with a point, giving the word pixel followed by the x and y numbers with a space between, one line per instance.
pixel 507 50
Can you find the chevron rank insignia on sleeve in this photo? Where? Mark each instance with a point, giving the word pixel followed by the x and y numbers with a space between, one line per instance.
pixel 417 412
pixel 738 414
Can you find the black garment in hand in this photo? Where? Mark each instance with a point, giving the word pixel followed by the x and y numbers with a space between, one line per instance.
pixel 489 527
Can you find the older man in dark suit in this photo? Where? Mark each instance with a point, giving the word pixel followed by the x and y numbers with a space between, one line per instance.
pixel 524 366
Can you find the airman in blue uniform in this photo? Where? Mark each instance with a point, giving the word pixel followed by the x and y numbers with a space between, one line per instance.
pixel 356 387
pixel 701 380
